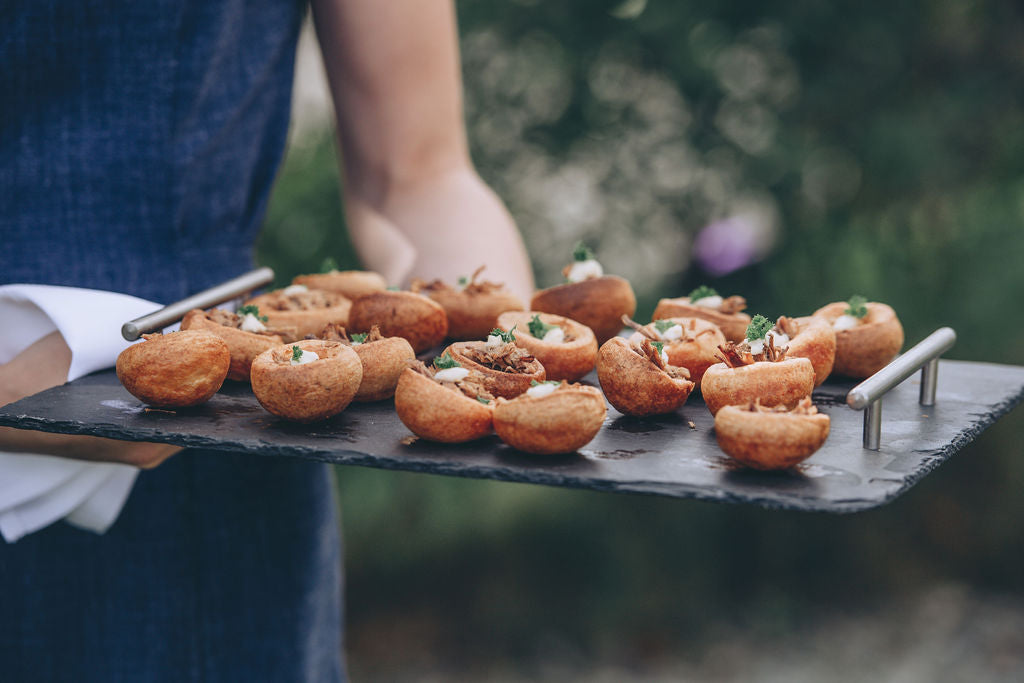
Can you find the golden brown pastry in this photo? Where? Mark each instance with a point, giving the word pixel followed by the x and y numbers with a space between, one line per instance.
pixel 415 318
pixel 567 349
pixel 306 381
pixel 756 370
pixel 383 359
pixel 868 335
pixel 349 283
pixel 690 343
pixel 551 417
pixel 245 333
pixel 507 369
pixel 637 380
pixel 174 370
pixel 306 310
pixel 811 338
pixel 705 303
pixel 452 408
pixel 589 296
pixel 771 438
pixel 472 307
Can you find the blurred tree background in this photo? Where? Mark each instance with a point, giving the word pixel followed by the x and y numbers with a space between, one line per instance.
pixel 795 153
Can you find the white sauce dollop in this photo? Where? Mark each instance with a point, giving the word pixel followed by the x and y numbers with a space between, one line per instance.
pixel 294 289
pixel 555 335
pixel 451 375
pixel 664 357
pixel 845 322
pixel 541 390
pixel 756 346
pixel 584 270
pixel 305 357
pixel 493 342
pixel 251 323
pixel 781 338
pixel 708 301
pixel 671 334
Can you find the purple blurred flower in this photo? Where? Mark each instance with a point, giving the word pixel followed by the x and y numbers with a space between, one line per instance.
pixel 728 244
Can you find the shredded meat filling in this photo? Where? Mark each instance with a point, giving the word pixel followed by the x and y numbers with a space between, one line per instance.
pixel 336 332
pixel 805 407
pixel 651 332
pixel 737 355
pixel 645 348
pixel 229 319
pixel 787 326
pixel 733 304
pixel 472 288
pixel 507 358
pixel 472 386
pixel 312 300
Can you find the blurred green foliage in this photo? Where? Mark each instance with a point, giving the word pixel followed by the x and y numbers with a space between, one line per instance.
pixel 882 148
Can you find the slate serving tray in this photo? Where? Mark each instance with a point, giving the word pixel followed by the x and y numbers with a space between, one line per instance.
pixel 661 456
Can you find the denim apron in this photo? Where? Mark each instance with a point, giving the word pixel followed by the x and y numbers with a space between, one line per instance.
pixel 138 143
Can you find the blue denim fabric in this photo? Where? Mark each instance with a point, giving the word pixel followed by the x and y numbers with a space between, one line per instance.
pixel 138 144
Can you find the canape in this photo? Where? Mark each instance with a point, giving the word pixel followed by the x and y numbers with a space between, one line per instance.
pixel 507 369
pixel 705 303
pixel 383 359
pixel 306 381
pixel 756 369
pixel 415 318
pixel 245 332
pixel 348 283
pixel 808 337
pixel 551 417
pixel 448 404
pixel 306 310
pixel 472 306
pixel 868 335
pixel 690 343
pixel 174 370
pixel 589 296
pixel 771 438
pixel 638 380
pixel 567 349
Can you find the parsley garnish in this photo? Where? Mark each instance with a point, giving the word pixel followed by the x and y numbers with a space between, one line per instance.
pixel 535 383
pixel 663 326
pixel 463 281
pixel 538 328
pixel 857 306
pixel 296 354
pixel 582 252
pixel 445 361
pixel 658 346
pixel 329 265
pixel 758 328
pixel 359 338
pixel 702 292
pixel 506 337
pixel 252 310
pixel 483 400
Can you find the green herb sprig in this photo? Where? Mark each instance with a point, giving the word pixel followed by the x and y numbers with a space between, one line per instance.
pixel 328 265
pixel 535 383
pixel 538 328
pixel 758 328
pixel 506 337
pixel 253 310
pixel 582 252
pixel 702 292
pixel 445 361
pixel 296 354
pixel 663 326
pixel 359 338
pixel 483 400
pixel 857 306
pixel 658 346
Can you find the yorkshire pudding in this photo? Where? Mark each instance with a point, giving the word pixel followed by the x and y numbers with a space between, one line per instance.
pixel 415 318
pixel 706 304
pixel 561 419
pixel 570 350
pixel 442 410
pixel 383 359
pixel 243 344
pixel 472 307
pixel 783 382
pixel 599 303
pixel 637 381
pixel 349 283
pixel 811 338
pixel 771 438
pixel 174 370
pixel 291 386
pixel 690 343
pixel 866 343
pixel 306 310
pixel 507 369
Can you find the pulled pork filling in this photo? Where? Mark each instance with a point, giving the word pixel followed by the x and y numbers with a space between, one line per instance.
pixel 336 332
pixel 506 358
pixel 737 355
pixel 805 407
pixel 312 300
pixel 229 319
pixel 732 304
pixel 472 386
pixel 472 288
pixel 787 326
pixel 651 333
pixel 646 349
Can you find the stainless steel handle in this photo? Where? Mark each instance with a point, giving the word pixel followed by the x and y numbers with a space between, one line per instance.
pixel 218 294
pixel 867 395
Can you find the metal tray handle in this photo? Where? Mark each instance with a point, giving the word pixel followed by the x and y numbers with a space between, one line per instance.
pixel 867 395
pixel 218 294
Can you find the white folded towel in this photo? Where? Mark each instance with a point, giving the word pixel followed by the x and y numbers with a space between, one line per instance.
pixel 38 490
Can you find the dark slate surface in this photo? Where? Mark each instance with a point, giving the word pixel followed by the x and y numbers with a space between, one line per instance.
pixel 661 456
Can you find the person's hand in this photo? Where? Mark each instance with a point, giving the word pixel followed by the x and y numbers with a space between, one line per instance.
pixel 45 364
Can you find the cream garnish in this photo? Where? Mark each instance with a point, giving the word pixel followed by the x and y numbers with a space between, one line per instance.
pixel 294 289
pixel 584 270
pixel 671 334
pixel 708 301
pixel 251 323
pixel 494 342
pixel 555 335
pixel 845 322
pixel 664 357
pixel 541 390
pixel 451 375
pixel 305 357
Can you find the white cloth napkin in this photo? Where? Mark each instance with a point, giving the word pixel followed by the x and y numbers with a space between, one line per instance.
pixel 38 490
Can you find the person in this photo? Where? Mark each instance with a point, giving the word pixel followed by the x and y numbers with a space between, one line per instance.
pixel 138 146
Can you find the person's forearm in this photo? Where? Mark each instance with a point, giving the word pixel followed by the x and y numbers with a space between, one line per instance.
pixel 415 205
